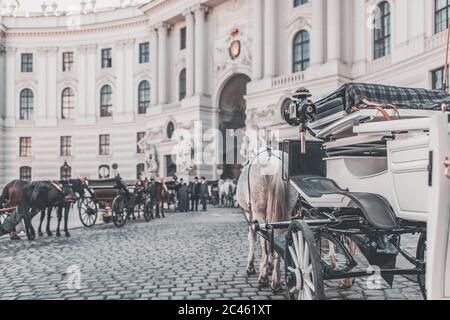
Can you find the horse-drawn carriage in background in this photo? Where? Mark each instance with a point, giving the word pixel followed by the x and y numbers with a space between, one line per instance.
pixel 118 199
pixel 372 170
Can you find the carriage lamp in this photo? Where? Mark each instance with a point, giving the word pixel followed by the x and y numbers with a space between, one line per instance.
pixel 299 112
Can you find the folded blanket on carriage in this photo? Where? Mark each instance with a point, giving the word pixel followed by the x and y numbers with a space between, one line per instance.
pixel 354 94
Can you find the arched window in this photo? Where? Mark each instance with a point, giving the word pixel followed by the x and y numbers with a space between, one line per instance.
pixel 66 172
pixel 143 97
pixel 25 174
pixel 382 31
pixel 182 84
pixel 26 104
pixel 106 104
pixel 140 169
pixel 67 103
pixel 301 51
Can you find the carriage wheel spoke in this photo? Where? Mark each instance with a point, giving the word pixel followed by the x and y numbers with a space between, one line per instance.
pixel 309 284
pixel 294 256
pixel 306 256
pixel 308 293
pixel 297 248
pixel 301 245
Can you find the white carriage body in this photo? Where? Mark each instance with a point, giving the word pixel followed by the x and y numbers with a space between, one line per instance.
pixel 411 175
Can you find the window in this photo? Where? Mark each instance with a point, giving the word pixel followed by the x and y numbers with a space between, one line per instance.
pixel 25 147
pixel 26 104
pixel 104 145
pixel 382 31
pixel 25 174
pixel 66 147
pixel 106 106
pixel 67 103
pixel 139 137
pixel 106 58
pixel 27 62
pixel 140 169
pixel 170 130
pixel 67 61
pixel 301 51
pixel 66 172
pixel 144 97
pixel 183 38
pixel 299 2
pixel 437 79
pixel 441 16
pixel 144 52
pixel 182 84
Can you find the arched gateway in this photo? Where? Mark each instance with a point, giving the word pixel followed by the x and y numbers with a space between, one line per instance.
pixel 232 106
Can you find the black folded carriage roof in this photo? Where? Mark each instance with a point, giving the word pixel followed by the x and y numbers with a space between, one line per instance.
pixel 353 94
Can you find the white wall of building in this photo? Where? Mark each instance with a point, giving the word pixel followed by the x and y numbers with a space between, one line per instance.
pixel 341 50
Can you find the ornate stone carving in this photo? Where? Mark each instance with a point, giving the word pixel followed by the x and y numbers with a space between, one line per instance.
pixel 151 156
pixel 184 152
pixel 222 51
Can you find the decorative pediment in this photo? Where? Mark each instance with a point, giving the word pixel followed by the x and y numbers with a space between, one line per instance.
pixel 298 23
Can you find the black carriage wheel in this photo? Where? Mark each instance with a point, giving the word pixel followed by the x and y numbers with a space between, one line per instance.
pixel 422 256
pixel 148 212
pixel 303 268
pixel 119 214
pixel 88 212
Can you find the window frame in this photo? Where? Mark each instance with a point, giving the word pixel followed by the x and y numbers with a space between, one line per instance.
pixel 106 56
pixel 68 103
pixel 386 38
pixel 144 96
pixel 104 145
pixel 26 173
pixel 26 62
pixel 26 107
pixel 144 52
pixel 106 101
pixel 300 42
pixel 68 61
pixel 182 85
pixel 25 147
pixel 65 146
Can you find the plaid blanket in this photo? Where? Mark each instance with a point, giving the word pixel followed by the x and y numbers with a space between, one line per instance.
pixel 352 94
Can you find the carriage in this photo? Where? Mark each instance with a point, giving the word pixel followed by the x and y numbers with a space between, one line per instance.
pixel 373 170
pixel 119 200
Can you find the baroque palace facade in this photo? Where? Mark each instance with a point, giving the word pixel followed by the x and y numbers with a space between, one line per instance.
pixel 78 92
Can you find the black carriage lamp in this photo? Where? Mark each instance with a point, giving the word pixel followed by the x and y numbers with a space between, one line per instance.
pixel 299 112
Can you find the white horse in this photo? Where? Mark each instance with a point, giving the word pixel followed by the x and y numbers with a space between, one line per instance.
pixel 227 190
pixel 266 198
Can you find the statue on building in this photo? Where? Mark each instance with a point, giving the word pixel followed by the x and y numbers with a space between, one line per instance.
pixel 185 153
pixel 151 156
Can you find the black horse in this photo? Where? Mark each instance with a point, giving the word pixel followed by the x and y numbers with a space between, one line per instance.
pixel 78 186
pixel 41 195
pixel 157 193
pixel 9 199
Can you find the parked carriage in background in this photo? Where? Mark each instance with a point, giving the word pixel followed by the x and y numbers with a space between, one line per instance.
pixel 372 171
pixel 119 200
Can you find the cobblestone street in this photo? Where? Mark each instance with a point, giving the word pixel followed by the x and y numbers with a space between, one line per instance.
pixel 185 256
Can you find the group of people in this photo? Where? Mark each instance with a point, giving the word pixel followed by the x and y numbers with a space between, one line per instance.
pixel 191 195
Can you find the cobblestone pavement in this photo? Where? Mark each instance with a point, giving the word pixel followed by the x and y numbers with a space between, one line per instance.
pixel 185 256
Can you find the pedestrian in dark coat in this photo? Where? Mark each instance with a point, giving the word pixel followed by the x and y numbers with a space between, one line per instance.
pixel 183 198
pixel 195 194
pixel 204 193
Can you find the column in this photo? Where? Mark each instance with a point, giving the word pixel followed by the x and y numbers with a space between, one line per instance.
pixel 270 38
pixel 200 60
pixel 318 32
pixel 119 62
pixel 257 39
pixel 10 114
pixel 2 82
pixel 130 91
pixel 154 65
pixel 162 63
pixel 40 97
pixel 81 62
pixel 92 94
pixel 334 34
pixel 52 100
pixel 190 53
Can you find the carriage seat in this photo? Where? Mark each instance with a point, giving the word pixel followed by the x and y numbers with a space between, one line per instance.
pixel 375 208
